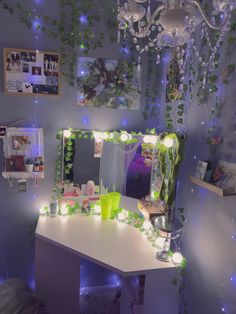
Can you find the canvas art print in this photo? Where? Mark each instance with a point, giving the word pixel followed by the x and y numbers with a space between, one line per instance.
pixel 106 83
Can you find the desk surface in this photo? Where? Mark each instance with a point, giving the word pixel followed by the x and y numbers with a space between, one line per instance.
pixel 111 244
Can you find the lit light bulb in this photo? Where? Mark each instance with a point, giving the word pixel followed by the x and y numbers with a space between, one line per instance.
pixel 97 209
pixel 97 136
pixel 121 216
pixel 105 136
pixel 67 133
pixel 168 142
pixel 43 210
pixel 160 242
pixel 124 137
pixel 177 258
pixel 147 225
pixel 146 139
pixel 64 210
pixel 153 139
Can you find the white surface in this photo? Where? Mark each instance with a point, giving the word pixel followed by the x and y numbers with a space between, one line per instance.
pixel 22 175
pixel 112 244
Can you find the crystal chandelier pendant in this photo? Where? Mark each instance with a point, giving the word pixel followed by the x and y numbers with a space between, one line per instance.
pixel 172 23
pixel 158 58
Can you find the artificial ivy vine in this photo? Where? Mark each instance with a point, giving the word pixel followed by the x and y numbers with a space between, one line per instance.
pixel 74 28
pixel 170 159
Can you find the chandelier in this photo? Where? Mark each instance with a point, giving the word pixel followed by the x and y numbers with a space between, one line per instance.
pixel 171 23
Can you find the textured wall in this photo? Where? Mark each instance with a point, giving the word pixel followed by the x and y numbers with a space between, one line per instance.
pixel 18 212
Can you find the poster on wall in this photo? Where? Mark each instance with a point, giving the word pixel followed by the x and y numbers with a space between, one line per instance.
pixel 31 72
pixel 106 83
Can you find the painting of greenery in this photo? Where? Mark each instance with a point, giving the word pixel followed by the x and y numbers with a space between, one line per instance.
pixel 106 83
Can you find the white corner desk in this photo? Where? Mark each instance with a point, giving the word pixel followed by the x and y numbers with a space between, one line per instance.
pixel 62 240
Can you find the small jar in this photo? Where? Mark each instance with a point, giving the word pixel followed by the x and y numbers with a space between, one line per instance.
pixel 41 166
pixel 36 167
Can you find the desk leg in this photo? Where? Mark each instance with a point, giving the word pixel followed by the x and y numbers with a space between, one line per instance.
pixel 160 295
pixel 57 278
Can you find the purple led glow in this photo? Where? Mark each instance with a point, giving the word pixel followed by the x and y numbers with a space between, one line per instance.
pixel 125 50
pixel 82 72
pixel 85 120
pixel 124 122
pixel 36 25
pixel 83 19
pixel 31 283
pixel 233 279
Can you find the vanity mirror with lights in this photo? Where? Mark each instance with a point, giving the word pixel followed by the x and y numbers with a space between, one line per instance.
pixel 113 161
pixel 137 165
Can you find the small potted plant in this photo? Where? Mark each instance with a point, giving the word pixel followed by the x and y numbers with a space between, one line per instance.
pixel 29 165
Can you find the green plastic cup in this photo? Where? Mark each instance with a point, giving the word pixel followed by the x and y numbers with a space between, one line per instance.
pixel 106 206
pixel 115 196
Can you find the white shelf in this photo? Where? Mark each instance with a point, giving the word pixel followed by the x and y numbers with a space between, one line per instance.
pixel 22 175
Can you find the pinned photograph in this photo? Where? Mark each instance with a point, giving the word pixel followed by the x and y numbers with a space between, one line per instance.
pixel 36 70
pixel 201 169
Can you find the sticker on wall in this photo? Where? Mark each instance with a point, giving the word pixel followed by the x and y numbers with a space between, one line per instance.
pixel 105 83
pixel 31 72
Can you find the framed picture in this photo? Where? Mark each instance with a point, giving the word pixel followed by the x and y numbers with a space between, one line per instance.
pixel 31 72
pixel 201 169
pixel 26 142
pixel 107 83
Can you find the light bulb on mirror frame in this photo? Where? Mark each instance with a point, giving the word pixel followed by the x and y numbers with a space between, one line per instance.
pixel 124 137
pixel 168 142
pixel 67 133
pixel 146 139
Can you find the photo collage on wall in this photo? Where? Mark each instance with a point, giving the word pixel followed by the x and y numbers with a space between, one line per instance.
pixel 31 72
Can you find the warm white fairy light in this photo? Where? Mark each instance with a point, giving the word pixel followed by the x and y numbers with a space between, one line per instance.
pixel 97 209
pixel 122 215
pixel 67 133
pixel 146 139
pixel 98 136
pixel 147 225
pixel 43 210
pixel 124 137
pixel 168 142
pixel 105 135
pixel 64 209
pixel 177 258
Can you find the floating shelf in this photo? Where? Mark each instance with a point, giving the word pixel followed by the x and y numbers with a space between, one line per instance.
pixel 211 187
pixel 22 175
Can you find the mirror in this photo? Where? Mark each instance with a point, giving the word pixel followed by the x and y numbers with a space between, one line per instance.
pixel 123 166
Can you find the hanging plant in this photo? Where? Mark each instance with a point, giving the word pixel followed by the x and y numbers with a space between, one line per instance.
pixel 170 157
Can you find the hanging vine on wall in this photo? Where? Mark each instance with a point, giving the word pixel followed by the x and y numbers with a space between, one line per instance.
pixel 74 28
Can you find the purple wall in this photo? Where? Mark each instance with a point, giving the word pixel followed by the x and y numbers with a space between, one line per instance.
pixel 19 212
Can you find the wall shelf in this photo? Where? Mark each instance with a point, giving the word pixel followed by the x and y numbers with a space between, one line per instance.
pixel 22 175
pixel 211 187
